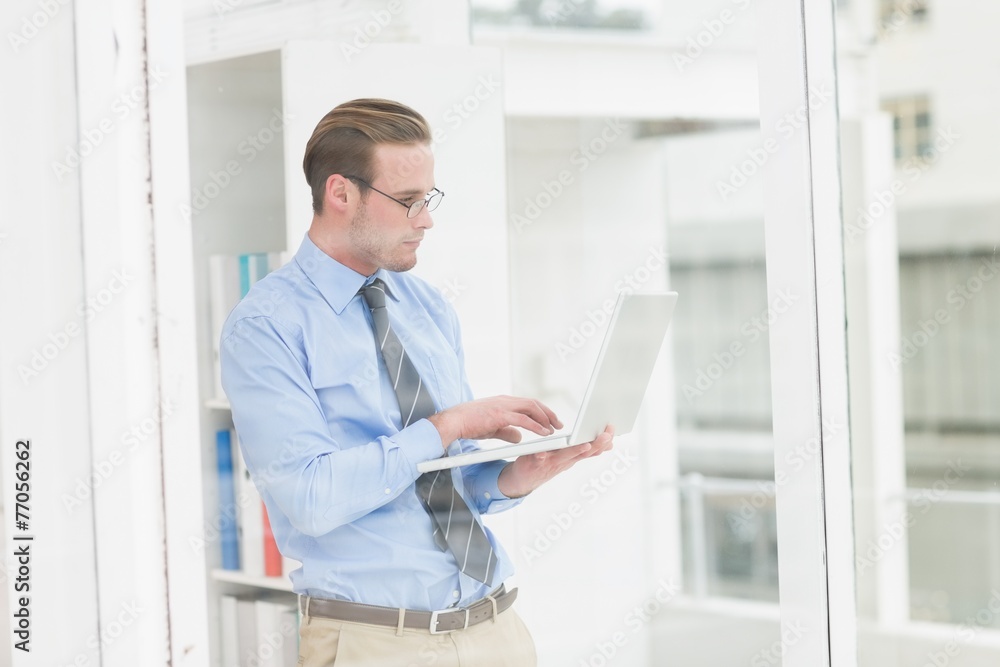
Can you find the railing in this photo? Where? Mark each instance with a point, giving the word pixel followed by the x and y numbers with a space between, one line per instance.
pixel 696 487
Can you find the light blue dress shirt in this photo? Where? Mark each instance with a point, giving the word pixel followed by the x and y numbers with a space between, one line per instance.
pixel 319 427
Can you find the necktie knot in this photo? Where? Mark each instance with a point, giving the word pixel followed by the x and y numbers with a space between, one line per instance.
pixel 374 294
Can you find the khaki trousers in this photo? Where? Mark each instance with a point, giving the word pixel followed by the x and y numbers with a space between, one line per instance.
pixel 325 642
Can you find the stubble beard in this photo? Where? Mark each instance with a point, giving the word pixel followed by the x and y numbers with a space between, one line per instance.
pixel 373 245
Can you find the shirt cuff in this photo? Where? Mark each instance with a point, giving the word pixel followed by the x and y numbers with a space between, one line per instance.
pixel 489 498
pixel 418 442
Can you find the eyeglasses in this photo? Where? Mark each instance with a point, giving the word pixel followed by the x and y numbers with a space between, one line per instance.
pixel 431 200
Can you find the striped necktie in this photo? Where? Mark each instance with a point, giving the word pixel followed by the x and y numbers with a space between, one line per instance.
pixel 456 528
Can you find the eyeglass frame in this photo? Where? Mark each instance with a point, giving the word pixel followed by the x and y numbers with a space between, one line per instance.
pixel 412 210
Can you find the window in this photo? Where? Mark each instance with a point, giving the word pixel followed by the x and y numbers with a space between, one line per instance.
pixel 895 14
pixel 911 127
pixel 572 14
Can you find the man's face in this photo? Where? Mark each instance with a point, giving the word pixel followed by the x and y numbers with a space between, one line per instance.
pixel 380 234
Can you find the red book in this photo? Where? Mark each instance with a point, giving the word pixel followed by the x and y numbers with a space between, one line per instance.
pixel 272 557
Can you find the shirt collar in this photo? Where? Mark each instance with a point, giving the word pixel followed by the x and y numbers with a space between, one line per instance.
pixel 337 283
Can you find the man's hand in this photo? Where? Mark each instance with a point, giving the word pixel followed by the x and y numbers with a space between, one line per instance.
pixel 494 417
pixel 527 473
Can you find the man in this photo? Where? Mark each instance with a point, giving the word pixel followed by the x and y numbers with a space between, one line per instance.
pixel 344 372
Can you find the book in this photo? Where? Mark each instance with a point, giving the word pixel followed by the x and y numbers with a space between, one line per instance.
pixel 272 557
pixel 230 279
pixel 228 537
pixel 259 630
pixel 250 519
pixel 224 294
pixel 290 649
pixel 270 638
pixel 247 638
pixel 266 630
pixel 229 641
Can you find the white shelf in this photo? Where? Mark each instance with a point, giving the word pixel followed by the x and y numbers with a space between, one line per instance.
pixel 217 403
pixel 236 577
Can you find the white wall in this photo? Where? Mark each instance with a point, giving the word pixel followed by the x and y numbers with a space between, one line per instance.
pixel 952 58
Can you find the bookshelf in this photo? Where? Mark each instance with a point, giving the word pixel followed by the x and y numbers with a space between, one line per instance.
pixel 250 581
pixel 237 207
pixel 249 118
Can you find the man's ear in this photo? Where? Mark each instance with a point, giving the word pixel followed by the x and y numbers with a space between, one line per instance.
pixel 336 193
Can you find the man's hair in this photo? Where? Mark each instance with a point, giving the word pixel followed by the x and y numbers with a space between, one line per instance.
pixel 344 140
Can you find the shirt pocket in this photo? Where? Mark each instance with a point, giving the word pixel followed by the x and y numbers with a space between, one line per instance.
pixel 448 380
pixel 347 386
pixel 348 369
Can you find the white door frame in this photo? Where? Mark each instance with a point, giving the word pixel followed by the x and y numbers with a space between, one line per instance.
pixel 804 251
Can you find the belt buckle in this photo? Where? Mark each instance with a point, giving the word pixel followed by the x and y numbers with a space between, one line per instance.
pixel 434 621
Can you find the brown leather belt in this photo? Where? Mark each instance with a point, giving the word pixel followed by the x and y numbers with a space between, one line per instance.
pixel 436 622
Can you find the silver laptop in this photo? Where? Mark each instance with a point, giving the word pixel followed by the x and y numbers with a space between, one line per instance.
pixel 632 342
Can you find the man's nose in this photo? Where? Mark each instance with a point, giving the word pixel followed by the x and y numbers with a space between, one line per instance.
pixel 423 219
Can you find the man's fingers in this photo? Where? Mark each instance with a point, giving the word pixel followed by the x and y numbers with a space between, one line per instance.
pixel 576 450
pixel 560 457
pixel 508 433
pixel 536 411
pixel 527 422
pixel 599 445
pixel 498 416
pixel 550 414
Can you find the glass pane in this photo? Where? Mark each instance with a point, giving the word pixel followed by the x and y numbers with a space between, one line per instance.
pixel 923 310
pixel 668 198
pixel 629 15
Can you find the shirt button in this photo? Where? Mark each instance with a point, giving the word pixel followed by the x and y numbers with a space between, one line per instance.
pixel 388 491
pixel 486 495
pixel 454 594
